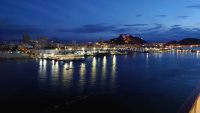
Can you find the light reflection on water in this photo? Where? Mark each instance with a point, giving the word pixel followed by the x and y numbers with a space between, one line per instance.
pixel 113 77
pixel 104 70
pixel 78 74
pixel 97 72
pixel 104 65
pixel 82 69
pixel 114 65
pixel 93 70
pixel 42 69
pixel 82 74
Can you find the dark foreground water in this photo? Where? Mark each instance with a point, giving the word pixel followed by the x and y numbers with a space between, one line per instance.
pixel 139 83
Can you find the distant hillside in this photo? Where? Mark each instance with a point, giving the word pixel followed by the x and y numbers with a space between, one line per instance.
pixel 127 39
pixel 189 41
pixel 171 42
pixel 185 41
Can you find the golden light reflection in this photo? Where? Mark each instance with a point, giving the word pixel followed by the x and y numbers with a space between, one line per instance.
pixel 53 62
pixel 65 66
pixel 113 77
pixel 93 72
pixel 42 68
pixel 67 74
pixel 44 64
pixel 82 76
pixel 104 70
pixel 54 71
pixel 104 66
pixel 70 64
pixel 82 69
pixel 113 65
pixel 41 63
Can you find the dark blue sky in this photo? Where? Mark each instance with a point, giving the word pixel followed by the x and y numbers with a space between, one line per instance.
pixel 93 19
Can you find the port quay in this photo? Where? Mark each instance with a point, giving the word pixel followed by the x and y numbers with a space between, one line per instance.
pixel 80 52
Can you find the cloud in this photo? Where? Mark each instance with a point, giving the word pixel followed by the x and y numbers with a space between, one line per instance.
pixel 175 32
pixel 7 28
pixel 156 27
pixel 157 32
pixel 19 30
pixel 91 28
pixel 161 16
pixel 177 25
pixel 135 25
pixel 122 30
pixel 139 15
pixel 193 6
pixel 103 28
pixel 183 17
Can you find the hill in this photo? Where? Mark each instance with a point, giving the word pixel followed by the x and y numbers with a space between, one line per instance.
pixel 127 39
pixel 185 41
pixel 189 41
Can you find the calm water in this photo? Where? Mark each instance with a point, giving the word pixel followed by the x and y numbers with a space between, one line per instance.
pixel 140 83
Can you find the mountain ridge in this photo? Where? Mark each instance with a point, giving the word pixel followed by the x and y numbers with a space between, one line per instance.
pixel 127 39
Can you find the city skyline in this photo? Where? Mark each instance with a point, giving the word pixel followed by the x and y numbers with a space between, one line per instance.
pixel 158 20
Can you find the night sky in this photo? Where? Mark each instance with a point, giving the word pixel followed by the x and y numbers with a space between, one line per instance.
pixel 90 20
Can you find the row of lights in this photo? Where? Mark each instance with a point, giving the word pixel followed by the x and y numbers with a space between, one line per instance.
pixel 70 49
